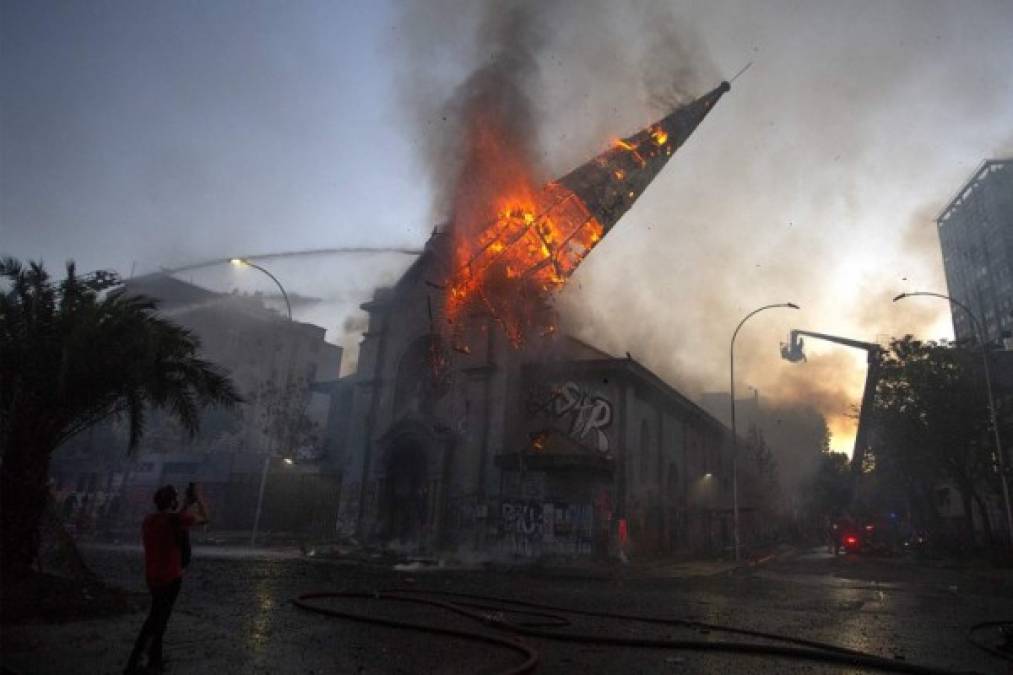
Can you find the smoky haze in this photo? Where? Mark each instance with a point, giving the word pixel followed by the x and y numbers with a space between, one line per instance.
pixel 182 132
pixel 775 198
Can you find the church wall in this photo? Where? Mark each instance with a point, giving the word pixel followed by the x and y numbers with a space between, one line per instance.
pixel 639 488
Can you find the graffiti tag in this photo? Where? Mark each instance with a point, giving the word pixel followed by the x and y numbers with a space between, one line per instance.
pixel 529 528
pixel 591 414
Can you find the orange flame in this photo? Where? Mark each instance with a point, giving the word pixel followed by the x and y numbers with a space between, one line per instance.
pixel 530 250
pixel 624 145
pixel 516 243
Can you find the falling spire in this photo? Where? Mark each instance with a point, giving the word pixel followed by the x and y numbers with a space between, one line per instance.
pixel 539 237
pixel 610 183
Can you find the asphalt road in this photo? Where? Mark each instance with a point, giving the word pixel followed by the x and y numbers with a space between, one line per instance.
pixel 235 616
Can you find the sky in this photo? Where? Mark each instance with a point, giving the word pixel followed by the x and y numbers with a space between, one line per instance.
pixel 140 135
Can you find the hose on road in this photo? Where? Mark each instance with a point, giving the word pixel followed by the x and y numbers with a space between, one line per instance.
pixel 478 608
pixel 1006 624
pixel 531 656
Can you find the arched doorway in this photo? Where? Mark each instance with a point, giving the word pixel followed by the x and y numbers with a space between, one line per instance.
pixel 406 491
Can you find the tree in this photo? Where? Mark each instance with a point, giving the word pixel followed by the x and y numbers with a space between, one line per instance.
pixel 931 420
pixel 826 491
pixel 74 353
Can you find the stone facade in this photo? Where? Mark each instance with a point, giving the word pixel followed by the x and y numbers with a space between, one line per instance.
pixel 456 439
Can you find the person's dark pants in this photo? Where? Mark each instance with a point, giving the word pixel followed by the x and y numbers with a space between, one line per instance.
pixel 162 600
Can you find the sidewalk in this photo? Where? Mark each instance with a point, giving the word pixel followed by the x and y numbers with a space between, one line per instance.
pixel 667 567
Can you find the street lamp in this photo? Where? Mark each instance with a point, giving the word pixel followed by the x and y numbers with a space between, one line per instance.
pixel 735 437
pixel 991 401
pixel 245 262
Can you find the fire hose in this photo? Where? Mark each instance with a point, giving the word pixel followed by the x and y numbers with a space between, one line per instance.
pixel 490 611
pixel 1005 628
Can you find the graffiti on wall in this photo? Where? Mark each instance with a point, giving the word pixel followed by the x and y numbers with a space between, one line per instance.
pixel 348 509
pixel 587 414
pixel 530 528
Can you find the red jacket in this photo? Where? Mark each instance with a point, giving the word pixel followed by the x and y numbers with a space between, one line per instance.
pixel 162 557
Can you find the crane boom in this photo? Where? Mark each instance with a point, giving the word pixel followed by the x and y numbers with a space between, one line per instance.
pixel 847 342
pixel 793 351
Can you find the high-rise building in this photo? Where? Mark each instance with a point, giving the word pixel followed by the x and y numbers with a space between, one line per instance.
pixel 976 235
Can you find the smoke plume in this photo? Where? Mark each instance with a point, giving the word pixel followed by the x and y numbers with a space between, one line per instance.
pixel 695 255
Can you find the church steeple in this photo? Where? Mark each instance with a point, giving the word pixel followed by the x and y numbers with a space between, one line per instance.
pixel 609 183
pixel 512 264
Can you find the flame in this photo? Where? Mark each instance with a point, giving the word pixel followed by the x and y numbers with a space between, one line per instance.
pixel 620 144
pixel 526 253
pixel 517 241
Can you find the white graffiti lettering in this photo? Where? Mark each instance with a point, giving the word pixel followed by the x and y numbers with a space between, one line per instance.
pixel 591 414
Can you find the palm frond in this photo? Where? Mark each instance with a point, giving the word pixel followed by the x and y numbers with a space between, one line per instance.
pixel 80 355
pixel 135 418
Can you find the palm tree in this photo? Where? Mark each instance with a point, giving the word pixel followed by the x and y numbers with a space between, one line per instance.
pixel 72 354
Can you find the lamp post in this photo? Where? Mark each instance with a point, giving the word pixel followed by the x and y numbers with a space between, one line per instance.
pixel 1000 458
pixel 244 262
pixel 735 436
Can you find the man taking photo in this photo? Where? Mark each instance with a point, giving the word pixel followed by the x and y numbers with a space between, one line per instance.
pixel 166 553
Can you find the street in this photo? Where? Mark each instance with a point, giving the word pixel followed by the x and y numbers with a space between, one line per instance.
pixel 235 615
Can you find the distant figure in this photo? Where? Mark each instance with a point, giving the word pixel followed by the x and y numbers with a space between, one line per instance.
pixel 166 553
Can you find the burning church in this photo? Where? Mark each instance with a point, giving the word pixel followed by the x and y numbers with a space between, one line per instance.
pixel 472 421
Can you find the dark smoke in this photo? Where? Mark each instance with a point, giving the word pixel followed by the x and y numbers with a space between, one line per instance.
pixel 556 81
pixel 493 132
pixel 808 183
pixel 560 78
